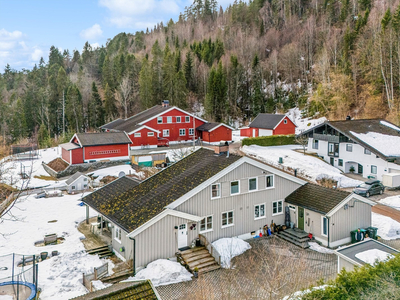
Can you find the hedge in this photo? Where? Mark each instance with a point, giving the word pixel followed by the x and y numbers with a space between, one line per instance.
pixel 272 140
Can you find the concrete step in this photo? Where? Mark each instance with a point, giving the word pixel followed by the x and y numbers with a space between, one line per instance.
pixel 196 257
pixel 209 269
pixel 198 262
pixel 204 265
pixel 97 250
pixel 192 250
pixel 303 245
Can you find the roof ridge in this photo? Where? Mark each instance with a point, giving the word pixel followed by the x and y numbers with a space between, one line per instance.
pixel 139 113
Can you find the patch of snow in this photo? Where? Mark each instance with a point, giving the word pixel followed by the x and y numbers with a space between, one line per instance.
pixel 299 294
pixel 389 145
pixel 303 124
pixel 373 255
pixel 114 171
pixel 98 285
pixel 316 247
pixel 163 272
pixel 228 248
pixel 307 166
pixel 393 201
pixel 390 125
pixel 388 229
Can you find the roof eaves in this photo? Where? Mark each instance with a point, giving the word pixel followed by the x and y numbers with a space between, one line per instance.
pixel 347 199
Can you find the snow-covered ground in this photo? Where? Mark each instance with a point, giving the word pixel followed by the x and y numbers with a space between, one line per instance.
pixel 10 169
pixel 371 256
pixel 392 201
pixel 389 145
pixel 303 124
pixel 228 248
pixel 298 295
pixel 388 229
pixel 163 272
pixel 316 247
pixel 307 166
pixel 115 171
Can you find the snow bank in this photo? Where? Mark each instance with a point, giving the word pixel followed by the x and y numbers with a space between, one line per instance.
pixel 303 124
pixel 389 145
pixel 298 295
pixel 390 125
pixel 228 248
pixel 393 201
pixel 98 285
pixel 114 171
pixel 316 247
pixel 163 272
pixel 373 255
pixel 388 229
pixel 307 166
pixel 6 297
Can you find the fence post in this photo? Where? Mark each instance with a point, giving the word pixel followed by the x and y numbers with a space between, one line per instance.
pixel 95 273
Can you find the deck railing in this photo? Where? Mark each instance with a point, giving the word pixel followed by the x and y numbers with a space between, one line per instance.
pixel 213 251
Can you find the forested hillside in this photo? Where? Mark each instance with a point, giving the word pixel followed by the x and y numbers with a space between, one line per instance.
pixel 332 58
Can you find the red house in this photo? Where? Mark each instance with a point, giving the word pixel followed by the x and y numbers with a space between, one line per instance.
pixel 215 132
pixel 158 126
pixel 91 147
pixel 269 124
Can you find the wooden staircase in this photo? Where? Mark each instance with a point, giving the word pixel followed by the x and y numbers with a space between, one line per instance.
pixel 295 236
pixel 199 257
pixel 103 251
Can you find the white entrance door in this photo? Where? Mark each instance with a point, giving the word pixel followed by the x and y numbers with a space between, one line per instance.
pixel 182 236
pixel 79 186
pixel 254 133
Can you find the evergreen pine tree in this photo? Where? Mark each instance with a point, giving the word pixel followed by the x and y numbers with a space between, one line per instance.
pixel 188 70
pixel 110 107
pixel 95 109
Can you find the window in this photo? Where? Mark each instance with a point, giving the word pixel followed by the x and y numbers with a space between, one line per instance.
pixel 102 152
pixel 215 190
pixel 227 219
pixel 285 121
pixel 165 132
pixel 349 147
pixel 85 186
pixel 85 179
pixel 366 151
pixel 259 211
pixel 150 134
pixel 73 187
pixel 324 226
pixel 269 181
pixel 315 144
pixel 138 134
pixel 374 169
pixel 191 131
pixel 178 119
pixel 118 234
pixel 206 224
pixel 340 163
pixel 291 207
pixel 235 187
pixel 187 119
pixel 253 184
pixel 333 149
pixel 182 132
pixel 159 120
pixel 277 207
pixel 169 120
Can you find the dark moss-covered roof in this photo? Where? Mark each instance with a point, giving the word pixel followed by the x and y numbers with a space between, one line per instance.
pixel 139 204
pixel 103 138
pixel 316 198
pixel 207 126
pixel 123 291
pixel 266 121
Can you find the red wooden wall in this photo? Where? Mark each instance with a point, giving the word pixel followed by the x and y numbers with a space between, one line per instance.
pixel 77 156
pixel 143 139
pixel 220 134
pixel 288 128
pixel 97 152
pixel 65 155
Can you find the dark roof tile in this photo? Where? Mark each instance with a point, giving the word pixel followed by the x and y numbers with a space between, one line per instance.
pixel 103 138
pixel 207 126
pixel 266 121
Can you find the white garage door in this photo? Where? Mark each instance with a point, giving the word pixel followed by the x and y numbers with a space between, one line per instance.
pixel 265 132
pixel 393 170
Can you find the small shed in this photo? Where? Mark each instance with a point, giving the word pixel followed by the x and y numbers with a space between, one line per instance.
pixel 269 124
pixel 215 132
pixel 365 252
pixel 77 182
pixel 391 179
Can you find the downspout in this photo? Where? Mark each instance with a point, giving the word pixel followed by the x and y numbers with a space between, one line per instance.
pixel 134 255
pixel 328 230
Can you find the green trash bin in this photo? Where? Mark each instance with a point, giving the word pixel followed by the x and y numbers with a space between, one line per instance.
pixel 353 236
pixel 372 232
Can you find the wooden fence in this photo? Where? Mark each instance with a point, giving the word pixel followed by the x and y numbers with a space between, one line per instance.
pixel 98 273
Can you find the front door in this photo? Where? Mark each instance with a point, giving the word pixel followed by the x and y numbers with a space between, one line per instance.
pixel 79 186
pixel 254 133
pixel 300 220
pixel 360 169
pixel 182 236
pixel 332 161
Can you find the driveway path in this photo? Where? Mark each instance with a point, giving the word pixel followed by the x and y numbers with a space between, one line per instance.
pixel 387 211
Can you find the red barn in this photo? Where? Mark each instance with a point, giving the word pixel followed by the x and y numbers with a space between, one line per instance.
pixel 91 147
pixel 269 124
pixel 158 126
pixel 215 132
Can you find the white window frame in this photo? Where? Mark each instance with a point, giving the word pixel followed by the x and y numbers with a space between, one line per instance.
pixel 277 207
pixel 292 207
pixel 315 144
pixel 187 119
pixel 259 209
pixel 159 120
pixel 191 131
pixel 273 181
pixel 322 226
pixel 137 134
pixel 367 152
pixel 227 218
pixel 256 178
pixel 178 119
pixel 212 225
pixel 230 187
pixel 169 120
pixel 285 121
pixel 349 146
pixel 150 133
pixel 165 132
pixel 219 191
pixel 182 130
pixel 376 169
pixel 118 234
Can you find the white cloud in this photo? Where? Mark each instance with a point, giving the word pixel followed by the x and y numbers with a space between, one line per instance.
pixel 37 54
pixel 92 33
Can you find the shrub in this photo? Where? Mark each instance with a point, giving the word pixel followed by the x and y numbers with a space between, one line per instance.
pixel 272 140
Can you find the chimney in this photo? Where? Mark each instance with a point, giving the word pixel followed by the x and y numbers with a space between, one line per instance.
pixel 165 103
pixel 348 118
pixel 222 148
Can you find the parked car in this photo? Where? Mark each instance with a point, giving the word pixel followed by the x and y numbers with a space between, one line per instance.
pixel 370 187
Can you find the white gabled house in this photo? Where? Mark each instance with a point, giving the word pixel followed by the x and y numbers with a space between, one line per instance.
pixel 77 183
pixel 369 147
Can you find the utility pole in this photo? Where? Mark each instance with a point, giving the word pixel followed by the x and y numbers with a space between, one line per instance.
pixel 194 133
pixel 63 112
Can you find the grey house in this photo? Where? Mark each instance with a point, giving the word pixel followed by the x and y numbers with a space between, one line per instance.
pixel 204 193
pixel 329 214
pixel 77 183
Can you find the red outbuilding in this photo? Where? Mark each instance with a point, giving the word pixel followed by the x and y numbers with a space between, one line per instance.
pixel 92 147
pixel 215 132
pixel 269 124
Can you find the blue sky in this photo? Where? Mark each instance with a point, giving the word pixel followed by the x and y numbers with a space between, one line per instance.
pixel 28 28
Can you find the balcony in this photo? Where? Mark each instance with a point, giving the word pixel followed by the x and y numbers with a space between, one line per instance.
pixel 330 138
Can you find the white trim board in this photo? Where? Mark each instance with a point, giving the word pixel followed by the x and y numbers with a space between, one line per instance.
pixel 168 110
pixel 166 212
pixel 222 124
pixel 282 120
pixel 228 169
pixel 75 135
pixel 140 128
